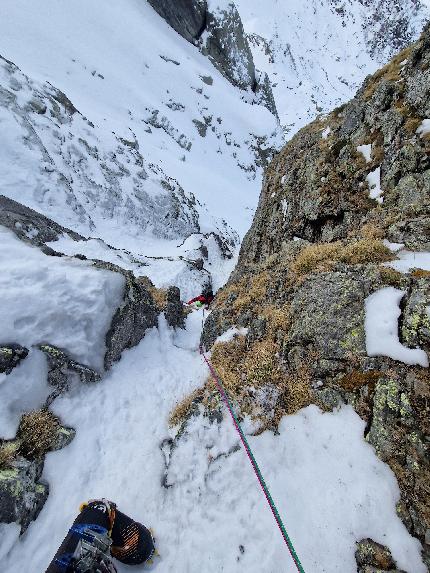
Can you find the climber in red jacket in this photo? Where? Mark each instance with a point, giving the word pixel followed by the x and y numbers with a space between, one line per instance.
pixel 203 299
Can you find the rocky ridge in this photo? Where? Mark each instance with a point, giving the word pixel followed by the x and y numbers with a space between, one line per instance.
pixel 341 187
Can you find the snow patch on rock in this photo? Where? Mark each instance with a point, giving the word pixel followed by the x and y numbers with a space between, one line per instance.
pixel 374 181
pixel 231 333
pixel 366 151
pixel 382 331
pixel 424 128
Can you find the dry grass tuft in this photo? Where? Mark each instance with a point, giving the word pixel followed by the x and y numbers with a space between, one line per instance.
pixel 37 433
pixel 295 394
pixel 278 318
pixel 420 274
pixel 7 455
pixel 391 277
pixel 321 257
pixel 366 251
pixel 412 124
pixel 244 371
pixel 248 293
pixel 390 72
pixel 372 231
pixel 159 295
pixel 184 408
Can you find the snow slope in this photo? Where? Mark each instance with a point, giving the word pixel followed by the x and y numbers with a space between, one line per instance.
pixel 133 78
pixel 201 496
pixel 51 300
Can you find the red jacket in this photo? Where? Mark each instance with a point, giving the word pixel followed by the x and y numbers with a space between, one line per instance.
pixel 202 299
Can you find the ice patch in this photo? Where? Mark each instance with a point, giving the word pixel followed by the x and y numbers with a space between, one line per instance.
pixel 394 247
pixel 408 260
pixel 284 205
pixel 326 132
pixel 381 324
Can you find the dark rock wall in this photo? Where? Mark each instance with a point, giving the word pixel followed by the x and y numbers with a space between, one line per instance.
pixel 187 17
pixel 316 188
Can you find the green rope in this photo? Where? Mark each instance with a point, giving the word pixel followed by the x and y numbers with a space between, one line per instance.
pixel 255 466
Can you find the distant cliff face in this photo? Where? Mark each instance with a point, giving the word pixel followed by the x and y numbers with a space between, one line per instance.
pixel 187 17
pixel 218 31
pixel 334 201
pixel 317 53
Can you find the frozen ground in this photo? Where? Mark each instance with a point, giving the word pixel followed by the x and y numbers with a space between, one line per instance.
pixel 202 498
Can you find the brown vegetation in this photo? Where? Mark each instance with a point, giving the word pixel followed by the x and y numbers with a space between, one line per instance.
pixel 7 455
pixel 356 379
pixel 390 72
pixel 420 274
pixel 321 257
pixel 37 433
pixel 159 295
pixel 391 277
pixel 372 231
pixel 184 408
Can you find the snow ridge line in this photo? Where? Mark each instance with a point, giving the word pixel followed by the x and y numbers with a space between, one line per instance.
pixel 254 464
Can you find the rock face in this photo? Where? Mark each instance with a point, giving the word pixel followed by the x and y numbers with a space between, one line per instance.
pixel 174 311
pixel 29 225
pixel 10 356
pixel 22 494
pixel 187 17
pixel 316 187
pixel 132 319
pixel 228 48
pixel 372 557
pixel 61 369
pixel 315 253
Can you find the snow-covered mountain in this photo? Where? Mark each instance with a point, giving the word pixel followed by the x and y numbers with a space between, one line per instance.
pixel 133 141
pixel 317 53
